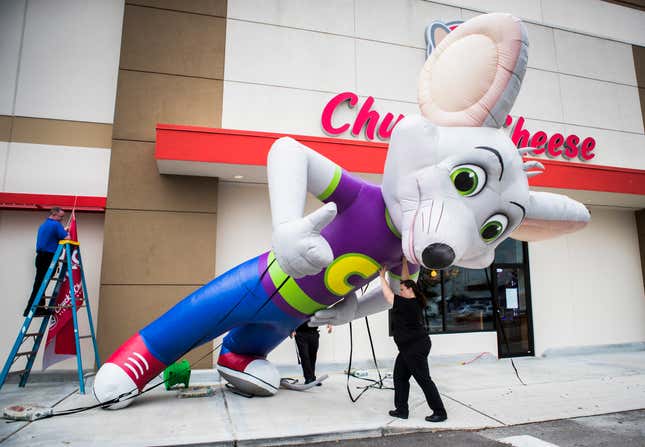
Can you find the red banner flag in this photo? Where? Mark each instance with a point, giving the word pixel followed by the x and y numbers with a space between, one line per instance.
pixel 60 343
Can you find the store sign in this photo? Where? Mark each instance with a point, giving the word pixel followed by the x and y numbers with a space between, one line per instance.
pixel 367 119
pixel 374 126
pixel 553 146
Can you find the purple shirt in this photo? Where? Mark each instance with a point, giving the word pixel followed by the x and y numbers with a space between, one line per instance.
pixel 361 238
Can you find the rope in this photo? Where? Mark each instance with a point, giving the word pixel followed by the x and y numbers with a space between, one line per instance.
pixel 374 383
pixel 501 326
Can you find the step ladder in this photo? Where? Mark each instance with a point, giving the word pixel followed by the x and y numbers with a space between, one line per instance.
pixel 58 269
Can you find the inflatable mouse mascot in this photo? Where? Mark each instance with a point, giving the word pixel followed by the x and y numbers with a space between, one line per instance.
pixel 454 187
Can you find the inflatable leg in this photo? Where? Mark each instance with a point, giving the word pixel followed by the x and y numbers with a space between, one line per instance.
pixel 242 360
pixel 230 300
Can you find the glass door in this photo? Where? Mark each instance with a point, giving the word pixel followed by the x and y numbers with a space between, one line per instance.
pixel 514 325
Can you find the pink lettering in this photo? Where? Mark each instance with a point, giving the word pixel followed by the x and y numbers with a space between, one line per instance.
pixel 554 145
pixel 586 148
pixel 366 119
pixel 537 141
pixel 329 109
pixel 383 132
pixel 370 122
pixel 571 146
pixel 520 137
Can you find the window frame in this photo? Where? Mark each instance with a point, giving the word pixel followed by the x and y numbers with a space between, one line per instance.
pixel 524 266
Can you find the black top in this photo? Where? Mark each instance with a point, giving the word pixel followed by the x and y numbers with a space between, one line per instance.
pixel 305 328
pixel 407 320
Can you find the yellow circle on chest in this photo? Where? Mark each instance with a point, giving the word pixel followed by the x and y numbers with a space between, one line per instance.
pixel 342 268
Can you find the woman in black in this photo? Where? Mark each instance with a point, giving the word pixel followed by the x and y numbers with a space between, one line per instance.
pixel 414 345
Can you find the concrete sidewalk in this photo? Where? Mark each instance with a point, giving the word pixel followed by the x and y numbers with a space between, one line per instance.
pixel 485 393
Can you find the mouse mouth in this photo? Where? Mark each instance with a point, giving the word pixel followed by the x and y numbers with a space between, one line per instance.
pixel 437 233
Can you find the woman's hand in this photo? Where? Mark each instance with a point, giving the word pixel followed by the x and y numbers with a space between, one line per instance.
pixel 387 291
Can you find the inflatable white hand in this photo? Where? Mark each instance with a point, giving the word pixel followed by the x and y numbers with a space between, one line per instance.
pixel 341 313
pixel 298 246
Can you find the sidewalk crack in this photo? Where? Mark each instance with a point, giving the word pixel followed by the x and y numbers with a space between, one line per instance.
pixel 228 413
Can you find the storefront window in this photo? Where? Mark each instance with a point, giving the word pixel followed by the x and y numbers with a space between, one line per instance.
pixel 467 295
pixel 459 299
pixel 509 252
pixel 432 290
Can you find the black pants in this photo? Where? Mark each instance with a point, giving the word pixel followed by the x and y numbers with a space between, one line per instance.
pixel 43 259
pixel 413 361
pixel 307 343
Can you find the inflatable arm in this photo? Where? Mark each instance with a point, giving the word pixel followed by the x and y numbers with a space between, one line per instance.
pixel 352 308
pixel 293 170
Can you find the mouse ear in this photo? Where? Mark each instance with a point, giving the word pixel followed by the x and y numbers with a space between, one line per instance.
pixel 435 33
pixel 474 74
pixel 550 215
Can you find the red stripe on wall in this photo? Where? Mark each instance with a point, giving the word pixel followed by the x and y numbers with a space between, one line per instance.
pixel 12 200
pixel 242 147
pixel 588 177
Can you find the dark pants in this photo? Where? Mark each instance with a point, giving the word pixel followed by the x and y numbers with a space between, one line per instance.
pixel 307 343
pixel 413 361
pixel 43 259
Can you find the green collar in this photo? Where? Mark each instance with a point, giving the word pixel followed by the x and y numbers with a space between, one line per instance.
pixel 390 224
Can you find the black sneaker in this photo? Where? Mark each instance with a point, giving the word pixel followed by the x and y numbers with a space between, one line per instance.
pixel 437 417
pixel 398 414
pixel 42 312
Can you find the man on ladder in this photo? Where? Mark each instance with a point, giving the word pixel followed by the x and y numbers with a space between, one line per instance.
pixel 50 232
pixel 68 295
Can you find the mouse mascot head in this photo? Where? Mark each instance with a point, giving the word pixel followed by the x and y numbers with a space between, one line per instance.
pixel 454 183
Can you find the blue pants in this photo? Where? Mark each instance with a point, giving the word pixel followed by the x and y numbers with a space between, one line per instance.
pixel 235 301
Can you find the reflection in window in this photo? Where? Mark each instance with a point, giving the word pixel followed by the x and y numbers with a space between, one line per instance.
pixel 469 306
pixel 432 289
pixel 459 299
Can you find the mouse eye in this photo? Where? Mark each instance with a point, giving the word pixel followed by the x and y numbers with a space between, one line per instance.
pixel 468 179
pixel 493 228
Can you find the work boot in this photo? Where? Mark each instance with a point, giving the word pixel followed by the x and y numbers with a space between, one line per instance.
pixel 437 416
pixel 398 414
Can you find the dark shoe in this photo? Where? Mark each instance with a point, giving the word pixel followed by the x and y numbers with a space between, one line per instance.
pixel 397 414
pixel 319 384
pixel 437 417
pixel 42 312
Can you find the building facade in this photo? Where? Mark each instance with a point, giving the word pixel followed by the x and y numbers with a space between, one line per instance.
pixel 113 106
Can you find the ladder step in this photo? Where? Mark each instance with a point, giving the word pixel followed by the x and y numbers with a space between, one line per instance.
pixel 13 373
pixel 20 354
pixel 34 334
pixel 84 336
pixel 61 307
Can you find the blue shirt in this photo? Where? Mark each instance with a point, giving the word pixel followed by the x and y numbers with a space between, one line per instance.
pixel 49 233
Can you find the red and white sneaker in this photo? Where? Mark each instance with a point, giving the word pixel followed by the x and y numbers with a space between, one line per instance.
pixel 250 374
pixel 129 369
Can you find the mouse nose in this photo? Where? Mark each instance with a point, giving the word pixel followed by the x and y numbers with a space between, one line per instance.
pixel 437 256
